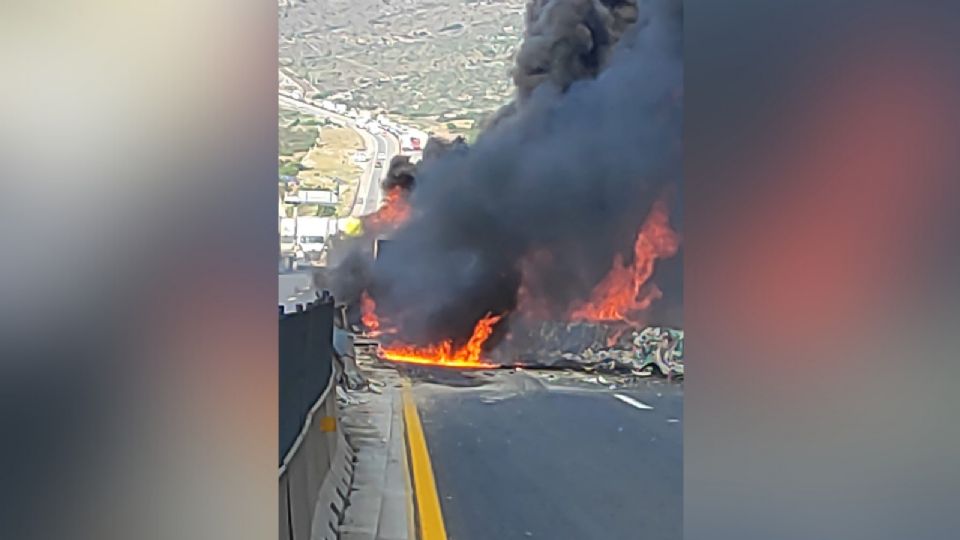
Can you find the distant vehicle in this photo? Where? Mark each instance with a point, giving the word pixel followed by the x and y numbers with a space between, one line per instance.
pixel 288 239
pixel 412 141
pixel 359 200
pixel 312 234
pixel 381 156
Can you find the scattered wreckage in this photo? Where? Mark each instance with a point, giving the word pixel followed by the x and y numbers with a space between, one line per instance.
pixel 596 348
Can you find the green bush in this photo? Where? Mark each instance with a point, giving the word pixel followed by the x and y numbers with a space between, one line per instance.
pixel 297 140
pixel 290 168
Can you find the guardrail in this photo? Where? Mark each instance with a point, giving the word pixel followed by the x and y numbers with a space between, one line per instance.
pixel 315 459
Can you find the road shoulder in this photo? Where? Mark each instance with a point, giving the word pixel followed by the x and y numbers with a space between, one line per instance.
pixel 379 503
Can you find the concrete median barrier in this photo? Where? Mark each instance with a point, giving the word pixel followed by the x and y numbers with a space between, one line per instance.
pixel 316 464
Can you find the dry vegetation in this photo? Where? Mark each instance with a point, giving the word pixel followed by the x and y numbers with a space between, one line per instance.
pixel 435 62
pixel 318 154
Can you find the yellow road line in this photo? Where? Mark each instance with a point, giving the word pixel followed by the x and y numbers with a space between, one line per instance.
pixel 424 485
pixel 408 490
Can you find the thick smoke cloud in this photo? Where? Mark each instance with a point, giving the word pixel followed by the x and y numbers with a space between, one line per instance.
pixel 566 41
pixel 436 147
pixel 553 190
pixel 401 174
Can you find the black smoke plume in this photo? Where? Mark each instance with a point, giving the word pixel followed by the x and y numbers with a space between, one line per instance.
pixel 566 41
pixel 437 147
pixel 401 174
pixel 555 188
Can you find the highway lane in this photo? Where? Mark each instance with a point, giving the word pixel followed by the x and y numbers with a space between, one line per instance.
pixel 370 177
pixel 558 463
pixel 295 288
pixel 391 147
pixel 388 145
pixel 373 194
pixel 369 186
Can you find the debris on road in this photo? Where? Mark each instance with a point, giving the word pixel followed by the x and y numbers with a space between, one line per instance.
pixel 347 398
pixel 344 347
pixel 598 348
pixel 602 355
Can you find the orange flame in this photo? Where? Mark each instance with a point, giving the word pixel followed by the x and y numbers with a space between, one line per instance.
pixel 622 292
pixel 394 211
pixel 368 317
pixel 444 354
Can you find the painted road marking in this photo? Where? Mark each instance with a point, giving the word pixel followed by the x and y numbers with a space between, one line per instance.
pixel 408 494
pixel 630 401
pixel 424 484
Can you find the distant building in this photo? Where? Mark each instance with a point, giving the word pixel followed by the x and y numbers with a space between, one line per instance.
pixel 322 197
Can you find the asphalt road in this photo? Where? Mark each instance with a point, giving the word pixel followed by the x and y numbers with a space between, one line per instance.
pixel 558 464
pixel 295 288
pixel 373 195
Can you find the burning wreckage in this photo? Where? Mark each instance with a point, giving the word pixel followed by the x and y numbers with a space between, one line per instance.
pixel 553 240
